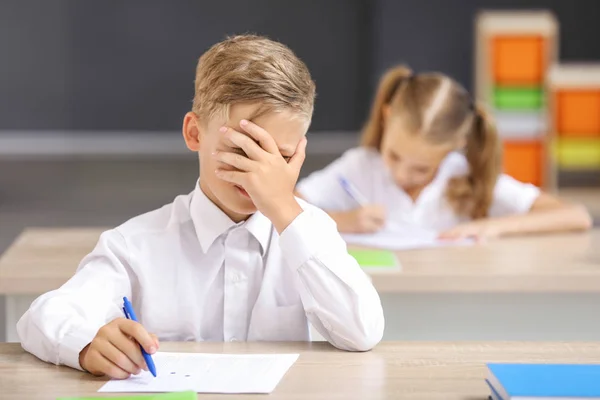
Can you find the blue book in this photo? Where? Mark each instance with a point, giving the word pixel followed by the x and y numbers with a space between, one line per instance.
pixel 494 395
pixel 544 381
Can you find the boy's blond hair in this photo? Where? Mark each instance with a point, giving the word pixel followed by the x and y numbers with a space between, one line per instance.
pixel 247 69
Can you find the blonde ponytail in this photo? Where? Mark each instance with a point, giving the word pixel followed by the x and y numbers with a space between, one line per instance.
pixel 473 195
pixel 439 109
pixel 389 85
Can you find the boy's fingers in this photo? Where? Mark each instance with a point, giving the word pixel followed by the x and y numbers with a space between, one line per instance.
pixel 131 349
pixel 235 177
pixel 244 142
pixel 235 160
pixel 264 139
pixel 300 155
pixel 156 341
pixel 139 334
pixel 103 366
pixel 120 359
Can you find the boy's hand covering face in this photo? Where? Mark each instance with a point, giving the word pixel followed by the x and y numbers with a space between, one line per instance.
pixel 267 177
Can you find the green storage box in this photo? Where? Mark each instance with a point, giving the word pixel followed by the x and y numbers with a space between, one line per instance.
pixel 519 98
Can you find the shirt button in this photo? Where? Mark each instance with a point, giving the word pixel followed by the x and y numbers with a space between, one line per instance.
pixel 234 277
pixel 233 339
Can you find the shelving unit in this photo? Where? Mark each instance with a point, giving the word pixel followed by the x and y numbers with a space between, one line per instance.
pixel 514 51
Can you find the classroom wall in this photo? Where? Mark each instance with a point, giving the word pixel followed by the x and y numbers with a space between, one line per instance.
pixel 438 34
pixel 129 65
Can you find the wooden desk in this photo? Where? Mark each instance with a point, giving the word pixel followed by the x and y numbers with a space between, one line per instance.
pixel 394 370
pixel 517 288
pixel 589 197
pixel 42 259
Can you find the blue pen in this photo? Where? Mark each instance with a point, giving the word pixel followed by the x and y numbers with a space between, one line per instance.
pixel 130 314
pixel 353 192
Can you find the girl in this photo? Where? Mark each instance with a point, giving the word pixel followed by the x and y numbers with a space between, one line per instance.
pixel 431 158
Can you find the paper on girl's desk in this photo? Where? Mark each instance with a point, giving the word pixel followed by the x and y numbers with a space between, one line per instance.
pixel 209 373
pixel 403 238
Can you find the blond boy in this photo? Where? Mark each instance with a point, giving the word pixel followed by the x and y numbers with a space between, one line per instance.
pixel 239 258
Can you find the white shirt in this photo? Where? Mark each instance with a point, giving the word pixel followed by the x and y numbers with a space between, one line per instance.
pixel 365 168
pixel 194 275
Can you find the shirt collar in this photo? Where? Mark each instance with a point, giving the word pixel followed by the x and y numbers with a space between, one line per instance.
pixel 210 222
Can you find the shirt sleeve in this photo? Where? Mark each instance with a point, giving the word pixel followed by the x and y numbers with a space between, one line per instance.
pixel 322 188
pixel 338 296
pixel 60 323
pixel 512 197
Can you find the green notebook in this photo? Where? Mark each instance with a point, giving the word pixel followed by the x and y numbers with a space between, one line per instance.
pixel 376 259
pixel 159 396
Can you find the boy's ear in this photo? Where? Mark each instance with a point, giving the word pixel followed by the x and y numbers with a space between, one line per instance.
pixel 191 131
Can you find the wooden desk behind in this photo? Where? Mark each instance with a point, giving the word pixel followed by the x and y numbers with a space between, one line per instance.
pixel 589 197
pixel 42 259
pixel 526 288
pixel 394 370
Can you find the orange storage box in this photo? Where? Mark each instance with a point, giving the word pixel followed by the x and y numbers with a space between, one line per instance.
pixel 578 112
pixel 523 160
pixel 518 60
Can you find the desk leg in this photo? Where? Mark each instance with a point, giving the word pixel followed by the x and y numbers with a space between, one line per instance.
pixel 15 307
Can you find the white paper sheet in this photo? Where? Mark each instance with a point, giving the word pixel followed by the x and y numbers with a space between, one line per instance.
pixel 208 373
pixel 402 238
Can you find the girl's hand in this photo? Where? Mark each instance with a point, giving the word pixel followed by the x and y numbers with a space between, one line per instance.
pixel 479 230
pixel 367 219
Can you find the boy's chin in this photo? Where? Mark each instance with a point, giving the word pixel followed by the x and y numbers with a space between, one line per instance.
pixel 239 202
pixel 243 209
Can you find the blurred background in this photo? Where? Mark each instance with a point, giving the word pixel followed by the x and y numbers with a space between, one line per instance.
pixel 92 93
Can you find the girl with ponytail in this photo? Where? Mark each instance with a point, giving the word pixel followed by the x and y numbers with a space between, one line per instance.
pixel 430 158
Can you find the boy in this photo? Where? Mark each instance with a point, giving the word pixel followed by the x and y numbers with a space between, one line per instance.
pixel 239 258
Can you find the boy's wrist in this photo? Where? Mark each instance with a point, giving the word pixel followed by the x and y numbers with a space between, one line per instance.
pixel 82 355
pixel 283 214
